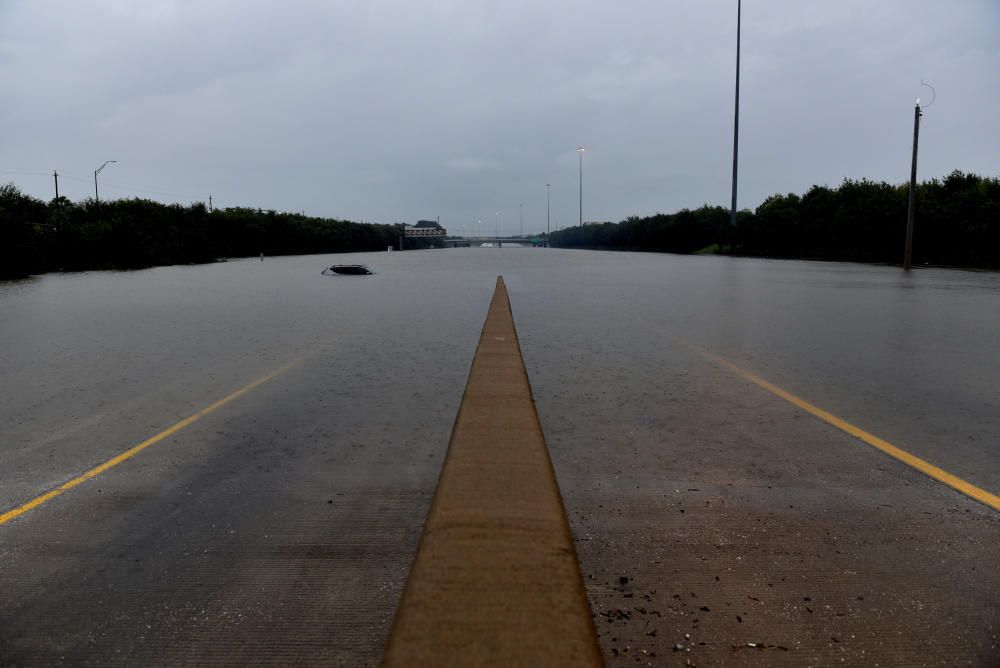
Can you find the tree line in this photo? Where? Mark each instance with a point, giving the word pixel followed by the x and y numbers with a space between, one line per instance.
pixel 957 224
pixel 38 236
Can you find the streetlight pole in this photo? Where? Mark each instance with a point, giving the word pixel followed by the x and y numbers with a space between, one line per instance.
pixel 522 219
pixel 97 198
pixel 912 203
pixel 580 151
pixel 548 212
pixel 736 116
pixel 496 229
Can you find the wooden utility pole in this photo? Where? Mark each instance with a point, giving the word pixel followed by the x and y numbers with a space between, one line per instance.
pixel 911 209
pixel 55 175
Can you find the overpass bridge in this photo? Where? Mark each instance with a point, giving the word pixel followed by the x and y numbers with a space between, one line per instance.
pixel 498 241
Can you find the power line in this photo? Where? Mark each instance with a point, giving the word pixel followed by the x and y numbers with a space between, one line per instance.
pixel 138 188
pixel 129 186
pixel 25 172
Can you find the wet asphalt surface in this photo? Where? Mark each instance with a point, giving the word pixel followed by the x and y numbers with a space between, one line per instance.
pixel 715 524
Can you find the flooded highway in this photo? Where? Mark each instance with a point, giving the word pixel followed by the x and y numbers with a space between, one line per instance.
pixel 714 520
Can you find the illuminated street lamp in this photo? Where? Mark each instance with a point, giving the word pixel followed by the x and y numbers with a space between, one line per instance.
pixel 97 199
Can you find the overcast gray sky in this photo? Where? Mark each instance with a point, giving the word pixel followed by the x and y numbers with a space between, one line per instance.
pixel 394 111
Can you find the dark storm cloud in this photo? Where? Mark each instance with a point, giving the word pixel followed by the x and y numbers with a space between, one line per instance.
pixel 397 111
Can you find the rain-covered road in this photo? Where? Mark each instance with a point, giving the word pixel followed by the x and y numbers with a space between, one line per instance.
pixel 279 526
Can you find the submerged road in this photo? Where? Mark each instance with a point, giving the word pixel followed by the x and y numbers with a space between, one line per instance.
pixel 271 440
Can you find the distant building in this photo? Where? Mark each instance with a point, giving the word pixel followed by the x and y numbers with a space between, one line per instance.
pixel 424 228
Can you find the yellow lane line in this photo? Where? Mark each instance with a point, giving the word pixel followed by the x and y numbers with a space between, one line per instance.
pixel 136 449
pixel 922 465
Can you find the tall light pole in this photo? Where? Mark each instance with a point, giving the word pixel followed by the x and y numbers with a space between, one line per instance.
pixel 496 228
pixel 548 212
pixel 479 228
pixel 522 219
pixel 736 116
pixel 580 151
pixel 912 203
pixel 97 198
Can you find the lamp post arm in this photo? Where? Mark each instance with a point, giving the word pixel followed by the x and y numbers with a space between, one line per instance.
pixel 97 197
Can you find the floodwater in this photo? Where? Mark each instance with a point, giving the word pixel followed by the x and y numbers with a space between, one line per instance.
pixel 279 528
pixel 913 358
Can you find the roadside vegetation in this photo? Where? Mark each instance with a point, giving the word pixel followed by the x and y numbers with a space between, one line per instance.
pixel 957 223
pixel 37 236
